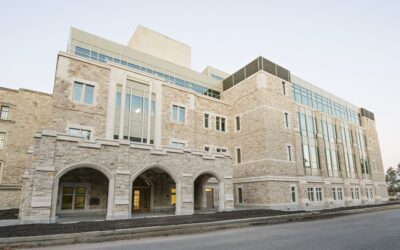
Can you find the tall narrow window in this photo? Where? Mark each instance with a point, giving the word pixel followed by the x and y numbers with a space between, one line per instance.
pixel 173 196
pixel 117 117
pixel 238 155
pixel 206 120
pixel 310 192
pixel 289 152
pixel 293 193
pixel 220 123
pixel 318 192
pixel 2 139
pixel 334 194
pixel 283 88
pixel 178 114
pixel 4 112
pixel 240 195
pixel 237 123
pixel 83 93
pixel 286 119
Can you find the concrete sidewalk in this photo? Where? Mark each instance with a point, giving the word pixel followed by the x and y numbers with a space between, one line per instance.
pixel 133 233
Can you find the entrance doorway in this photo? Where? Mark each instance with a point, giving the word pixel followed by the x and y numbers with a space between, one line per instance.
pixel 141 196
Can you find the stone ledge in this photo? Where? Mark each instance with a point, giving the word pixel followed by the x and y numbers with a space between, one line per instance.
pixel 97 143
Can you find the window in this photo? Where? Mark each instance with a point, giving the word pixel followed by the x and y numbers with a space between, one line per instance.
pixel 206 120
pixel 220 123
pixel 173 196
pixel 283 88
pixel 178 114
pixel 73 197
pixel 237 119
pixel 340 194
pixel 4 112
pixel 310 192
pixel 221 150
pixel 238 156
pixel 357 193
pixel 289 152
pixel 176 144
pixel 1 171
pixel 80 132
pixel 207 148
pixel 293 193
pixel 240 195
pixel 318 192
pixel 370 193
pixel 2 139
pixel 353 196
pixel 83 93
pixel 337 194
pixel 286 120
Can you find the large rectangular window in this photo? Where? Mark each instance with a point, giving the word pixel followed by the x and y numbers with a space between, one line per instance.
pixel 4 112
pixel 139 113
pixel 178 114
pixel 73 197
pixel 83 93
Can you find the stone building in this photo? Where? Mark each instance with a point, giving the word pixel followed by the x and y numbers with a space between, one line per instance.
pixel 134 131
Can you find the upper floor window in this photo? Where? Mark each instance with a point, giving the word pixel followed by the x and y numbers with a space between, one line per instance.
pixel 206 120
pixel 220 123
pixel 178 114
pixel 2 139
pixel 283 88
pixel 80 132
pixel 289 152
pixel 177 144
pixel 286 119
pixel 238 155
pixel 221 150
pixel 83 93
pixel 237 119
pixel 4 112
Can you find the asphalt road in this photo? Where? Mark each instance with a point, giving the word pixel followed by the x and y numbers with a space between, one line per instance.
pixel 379 230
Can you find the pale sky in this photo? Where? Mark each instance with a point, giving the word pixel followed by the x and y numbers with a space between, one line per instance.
pixel 349 48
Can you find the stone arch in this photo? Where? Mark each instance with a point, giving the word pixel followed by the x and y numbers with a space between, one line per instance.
pixel 198 186
pixel 167 170
pixel 76 166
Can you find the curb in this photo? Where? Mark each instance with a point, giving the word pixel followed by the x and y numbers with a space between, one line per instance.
pixel 134 233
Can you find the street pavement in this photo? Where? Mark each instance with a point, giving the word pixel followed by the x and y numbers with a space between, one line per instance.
pixel 378 230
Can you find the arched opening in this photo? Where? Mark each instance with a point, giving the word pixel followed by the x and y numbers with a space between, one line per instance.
pixel 153 192
pixel 83 193
pixel 207 193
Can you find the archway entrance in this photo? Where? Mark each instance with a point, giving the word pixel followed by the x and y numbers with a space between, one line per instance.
pixel 206 193
pixel 153 192
pixel 83 193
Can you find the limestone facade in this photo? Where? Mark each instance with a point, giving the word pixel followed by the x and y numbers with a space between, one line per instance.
pixel 28 111
pixel 159 145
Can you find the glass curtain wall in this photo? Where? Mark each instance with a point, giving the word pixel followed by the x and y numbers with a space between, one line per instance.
pixel 347 140
pixel 329 134
pixel 139 118
pixel 361 144
pixel 308 130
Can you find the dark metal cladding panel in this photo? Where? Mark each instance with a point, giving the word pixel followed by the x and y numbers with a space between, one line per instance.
pixel 368 114
pixel 269 66
pixel 239 76
pixel 252 68
pixel 282 73
pixel 227 83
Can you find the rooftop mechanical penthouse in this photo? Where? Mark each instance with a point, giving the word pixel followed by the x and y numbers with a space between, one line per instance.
pixel 132 130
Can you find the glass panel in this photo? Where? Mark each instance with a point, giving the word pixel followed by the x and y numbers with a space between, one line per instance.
pixel 79 201
pixel 66 202
pixel 77 93
pixel 173 196
pixel 175 113
pixel 68 190
pixel 182 114
pixel 80 190
pixel 89 92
